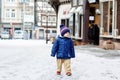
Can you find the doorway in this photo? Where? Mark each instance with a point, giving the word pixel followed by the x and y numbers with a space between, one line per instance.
pixel 94 22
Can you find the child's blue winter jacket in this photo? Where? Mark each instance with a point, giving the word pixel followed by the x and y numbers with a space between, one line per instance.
pixel 63 48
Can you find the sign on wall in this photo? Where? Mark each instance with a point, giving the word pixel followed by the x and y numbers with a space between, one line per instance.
pixel 91 18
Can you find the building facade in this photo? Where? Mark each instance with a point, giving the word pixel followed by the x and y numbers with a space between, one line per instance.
pixel 63 15
pixel 83 13
pixel 45 19
pixel 77 15
pixel 110 26
pixel 62 8
pixel 17 15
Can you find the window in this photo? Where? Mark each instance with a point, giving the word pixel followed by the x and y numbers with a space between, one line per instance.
pixel 12 0
pixel 44 18
pixel 117 17
pixel 27 0
pixel 13 13
pixel 54 31
pixel 63 21
pixel 10 13
pixel 107 17
pixel 43 23
pixel 8 0
pixel 49 18
pixel 7 13
pixel 80 2
pixel 74 2
pixel 77 25
pixel 67 22
pixel 54 19
pixel 47 31
pixel 41 33
pixel 71 25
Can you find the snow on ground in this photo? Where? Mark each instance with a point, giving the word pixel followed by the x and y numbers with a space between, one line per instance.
pixel 31 60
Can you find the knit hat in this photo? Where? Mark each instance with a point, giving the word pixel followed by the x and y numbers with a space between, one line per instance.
pixel 63 30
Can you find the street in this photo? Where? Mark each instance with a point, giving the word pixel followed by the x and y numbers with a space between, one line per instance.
pixel 31 60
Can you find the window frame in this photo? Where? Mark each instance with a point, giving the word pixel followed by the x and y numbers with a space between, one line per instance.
pixel 106 32
pixel 74 3
pixel 8 13
pixel 13 13
pixel 80 2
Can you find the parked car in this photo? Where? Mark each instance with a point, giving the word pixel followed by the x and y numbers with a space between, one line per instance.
pixel 5 35
pixel 18 34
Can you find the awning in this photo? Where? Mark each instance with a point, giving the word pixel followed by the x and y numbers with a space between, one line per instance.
pixel 79 10
pixel 72 10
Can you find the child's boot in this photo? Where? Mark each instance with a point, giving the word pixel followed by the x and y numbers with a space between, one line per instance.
pixel 58 73
pixel 68 74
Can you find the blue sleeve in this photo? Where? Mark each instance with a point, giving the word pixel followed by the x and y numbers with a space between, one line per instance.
pixel 54 48
pixel 72 50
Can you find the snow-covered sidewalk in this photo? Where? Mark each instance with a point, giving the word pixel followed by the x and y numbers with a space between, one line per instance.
pixel 31 60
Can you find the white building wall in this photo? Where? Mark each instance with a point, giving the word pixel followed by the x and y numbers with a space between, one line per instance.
pixel 10 6
pixel 17 5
